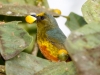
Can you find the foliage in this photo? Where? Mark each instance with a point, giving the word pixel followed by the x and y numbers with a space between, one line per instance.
pixel 75 21
pixel 19 51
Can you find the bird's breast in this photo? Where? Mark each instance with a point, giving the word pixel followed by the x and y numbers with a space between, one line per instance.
pixel 48 50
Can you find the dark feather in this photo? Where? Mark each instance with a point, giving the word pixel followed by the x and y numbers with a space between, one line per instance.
pixel 56 36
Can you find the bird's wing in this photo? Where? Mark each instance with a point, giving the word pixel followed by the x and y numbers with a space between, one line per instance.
pixel 56 36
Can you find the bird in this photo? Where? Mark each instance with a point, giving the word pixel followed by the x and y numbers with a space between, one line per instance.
pixel 50 38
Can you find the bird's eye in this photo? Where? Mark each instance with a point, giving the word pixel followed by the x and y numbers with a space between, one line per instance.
pixel 42 17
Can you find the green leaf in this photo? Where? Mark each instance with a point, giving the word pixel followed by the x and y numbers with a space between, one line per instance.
pixel 18 2
pixel 94 7
pixel 13 40
pixel 88 16
pixel 83 46
pixel 31 29
pixel 75 21
pixel 91 11
pixel 25 64
pixel 23 10
pixel 59 68
pixel 28 2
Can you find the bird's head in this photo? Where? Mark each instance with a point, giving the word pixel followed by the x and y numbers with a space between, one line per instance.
pixel 42 19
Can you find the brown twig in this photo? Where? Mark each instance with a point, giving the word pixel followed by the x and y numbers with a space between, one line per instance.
pixel 2 70
pixel 35 49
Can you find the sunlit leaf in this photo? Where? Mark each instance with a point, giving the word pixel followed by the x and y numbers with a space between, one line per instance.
pixel 91 11
pixel 59 68
pixel 75 21
pixel 13 39
pixel 28 2
pixel 31 29
pixel 83 46
pixel 23 10
pixel 25 64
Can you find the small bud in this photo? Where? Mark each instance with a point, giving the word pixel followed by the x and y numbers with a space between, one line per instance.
pixel 57 11
pixel 62 55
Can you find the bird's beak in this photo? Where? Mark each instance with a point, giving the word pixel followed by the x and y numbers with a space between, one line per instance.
pixel 30 18
pixel 36 17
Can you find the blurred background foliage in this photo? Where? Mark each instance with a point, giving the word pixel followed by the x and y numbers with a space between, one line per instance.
pixel 82 43
pixel 12 10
